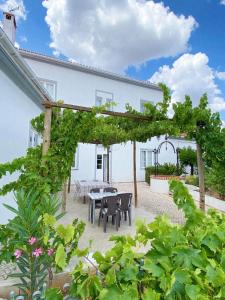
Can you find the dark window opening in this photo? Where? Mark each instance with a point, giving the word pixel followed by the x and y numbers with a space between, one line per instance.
pixel 99 161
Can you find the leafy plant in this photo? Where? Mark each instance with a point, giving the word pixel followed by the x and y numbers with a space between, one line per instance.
pixel 188 157
pixel 36 242
pixel 193 180
pixel 176 262
pixel 165 169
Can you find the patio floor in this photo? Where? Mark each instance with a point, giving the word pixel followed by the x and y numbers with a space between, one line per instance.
pixel 150 205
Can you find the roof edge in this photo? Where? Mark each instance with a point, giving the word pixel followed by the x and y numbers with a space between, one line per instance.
pixel 18 61
pixel 87 69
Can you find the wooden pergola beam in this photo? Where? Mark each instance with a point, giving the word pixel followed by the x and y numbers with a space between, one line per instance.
pixel 89 109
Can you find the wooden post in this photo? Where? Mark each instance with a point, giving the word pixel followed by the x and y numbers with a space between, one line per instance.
pixel 47 130
pixel 69 182
pixel 64 196
pixel 201 176
pixel 135 175
pixel 108 173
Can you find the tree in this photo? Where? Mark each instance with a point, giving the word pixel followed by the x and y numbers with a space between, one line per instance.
pixel 188 157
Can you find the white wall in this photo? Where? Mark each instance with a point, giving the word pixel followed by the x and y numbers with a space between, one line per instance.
pixel 17 109
pixel 79 88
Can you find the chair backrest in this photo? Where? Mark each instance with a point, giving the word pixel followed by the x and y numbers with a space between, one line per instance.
pixel 95 190
pixel 110 190
pixel 111 202
pixel 125 200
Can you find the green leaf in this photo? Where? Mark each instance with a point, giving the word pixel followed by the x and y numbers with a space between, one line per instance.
pixel 152 268
pixel 193 291
pixel 215 276
pixel 66 233
pixel 49 220
pixel 150 294
pixel 53 294
pixel 60 257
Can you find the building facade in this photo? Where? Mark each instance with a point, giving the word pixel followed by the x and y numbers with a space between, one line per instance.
pixel 26 78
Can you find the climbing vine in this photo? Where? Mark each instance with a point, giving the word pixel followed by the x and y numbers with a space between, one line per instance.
pixel 47 174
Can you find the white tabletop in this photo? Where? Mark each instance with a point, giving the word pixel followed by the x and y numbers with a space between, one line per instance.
pixel 92 183
pixel 97 196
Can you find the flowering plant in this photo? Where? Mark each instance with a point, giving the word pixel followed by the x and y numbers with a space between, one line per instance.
pixel 38 244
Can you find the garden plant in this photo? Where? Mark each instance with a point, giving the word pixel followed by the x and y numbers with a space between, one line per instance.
pixel 184 262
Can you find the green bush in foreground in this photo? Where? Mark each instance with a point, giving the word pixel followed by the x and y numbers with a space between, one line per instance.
pixel 177 262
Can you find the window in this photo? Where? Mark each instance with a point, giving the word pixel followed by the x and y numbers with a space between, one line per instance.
pixel 34 138
pixel 99 161
pixel 50 87
pixel 102 98
pixel 146 158
pixel 142 105
pixel 75 165
pixel 98 101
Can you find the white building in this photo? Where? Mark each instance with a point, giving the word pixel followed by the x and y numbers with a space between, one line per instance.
pixel 23 75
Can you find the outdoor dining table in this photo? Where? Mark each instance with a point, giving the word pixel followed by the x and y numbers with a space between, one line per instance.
pixel 91 205
pixel 87 185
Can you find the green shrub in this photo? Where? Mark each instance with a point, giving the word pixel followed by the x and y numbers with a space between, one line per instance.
pixel 184 261
pixel 215 180
pixel 165 169
pixel 188 157
pixel 193 180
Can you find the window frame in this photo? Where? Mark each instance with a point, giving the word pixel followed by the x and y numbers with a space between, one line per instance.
pixel 44 81
pixel 109 97
pixel 142 103
pixel 147 162
pixel 75 165
pixel 101 161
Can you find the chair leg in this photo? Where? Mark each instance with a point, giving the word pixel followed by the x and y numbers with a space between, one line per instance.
pixel 125 215
pixel 113 220
pixel 117 221
pixel 100 216
pixel 129 215
pixel 105 222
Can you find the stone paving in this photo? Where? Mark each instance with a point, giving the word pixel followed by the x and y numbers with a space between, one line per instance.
pixel 149 206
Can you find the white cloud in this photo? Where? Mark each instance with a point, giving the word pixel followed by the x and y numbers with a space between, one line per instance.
pixel 220 75
pixel 17 45
pixel 115 34
pixel 191 75
pixel 20 13
pixel 222 2
pixel 23 39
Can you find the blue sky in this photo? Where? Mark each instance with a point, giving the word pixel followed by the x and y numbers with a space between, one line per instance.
pixel 207 37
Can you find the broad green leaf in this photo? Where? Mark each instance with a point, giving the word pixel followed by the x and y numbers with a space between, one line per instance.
pixel 154 269
pixel 53 294
pixel 49 220
pixel 66 233
pixel 193 291
pixel 215 276
pixel 150 294
pixel 60 257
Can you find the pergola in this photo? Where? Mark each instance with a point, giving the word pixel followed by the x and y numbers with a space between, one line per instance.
pixel 47 140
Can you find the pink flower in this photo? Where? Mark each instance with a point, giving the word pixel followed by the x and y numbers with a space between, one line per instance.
pixel 32 240
pixel 18 253
pixel 37 252
pixel 50 252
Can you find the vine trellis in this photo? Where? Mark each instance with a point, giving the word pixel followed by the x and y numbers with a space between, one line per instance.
pixel 47 168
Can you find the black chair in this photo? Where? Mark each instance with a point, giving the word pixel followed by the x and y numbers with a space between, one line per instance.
pixel 110 190
pixel 125 205
pixel 109 207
